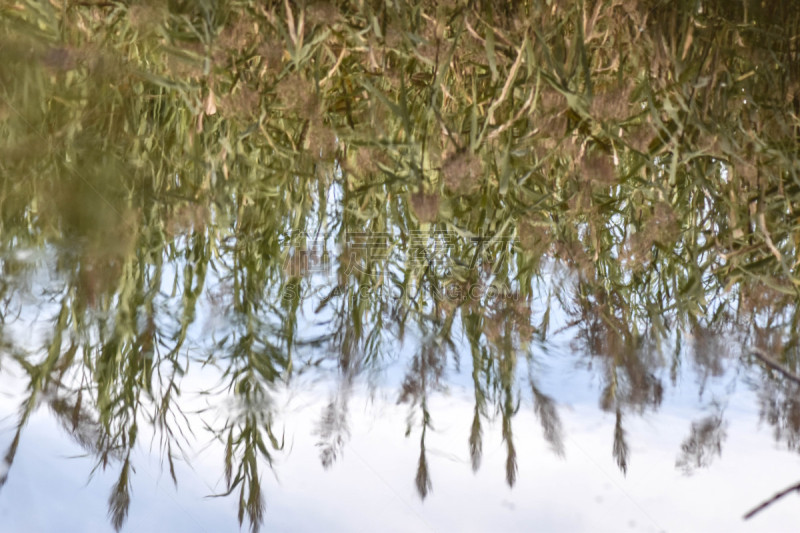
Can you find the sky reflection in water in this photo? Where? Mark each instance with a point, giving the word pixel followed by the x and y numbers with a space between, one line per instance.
pixel 370 483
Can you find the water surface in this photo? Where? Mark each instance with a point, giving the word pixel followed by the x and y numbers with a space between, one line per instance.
pixel 406 268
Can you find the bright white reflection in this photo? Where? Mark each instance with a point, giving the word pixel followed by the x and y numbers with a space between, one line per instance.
pixel 370 487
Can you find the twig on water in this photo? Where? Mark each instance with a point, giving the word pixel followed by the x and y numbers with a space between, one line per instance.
pixel 763 505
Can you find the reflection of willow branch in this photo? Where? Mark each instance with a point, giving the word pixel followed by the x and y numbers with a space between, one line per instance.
pixel 11 452
pixel 423 478
pixel 703 443
pixel 620 450
pixel 197 260
pixel 245 438
pixel 39 376
pixel 333 429
pixel 120 499
pixel 509 409
pixel 511 453
pixel 476 437
pixel 708 352
pixel 779 406
pixel 763 505
pixel 426 370
pixel 353 352
pixel 90 434
pixel 479 369
pixel 775 365
pixel 254 364
pixel 545 409
pixel 79 423
pixel 629 381
pixel 120 362
pixel 507 329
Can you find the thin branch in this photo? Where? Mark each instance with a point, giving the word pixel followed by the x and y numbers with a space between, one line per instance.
pixel 767 503
pixel 775 365
pixel 763 225
pixel 334 68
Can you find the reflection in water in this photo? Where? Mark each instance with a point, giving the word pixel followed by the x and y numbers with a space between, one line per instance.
pixel 425 198
pixel 333 427
pixel 703 443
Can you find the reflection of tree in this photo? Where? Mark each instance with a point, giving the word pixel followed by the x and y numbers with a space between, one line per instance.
pixel 709 352
pixel 703 443
pixel 121 370
pixel 505 324
pixel 113 363
pixel 644 148
pixel 333 428
pixel 780 408
pixel 545 409
pixel 426 370
pixel 779 394
pixel 248 436
pixel 423 478
pixel 620 449
pixel 628 360
pixel 479 369
pixel 776 356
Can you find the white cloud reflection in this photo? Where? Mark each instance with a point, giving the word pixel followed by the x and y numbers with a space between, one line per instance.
pixel 371 485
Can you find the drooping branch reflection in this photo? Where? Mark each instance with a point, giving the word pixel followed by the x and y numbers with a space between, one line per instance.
pixel 275 190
